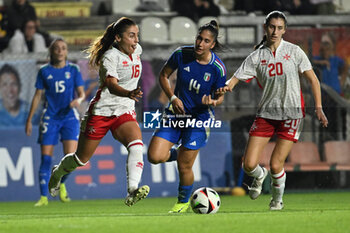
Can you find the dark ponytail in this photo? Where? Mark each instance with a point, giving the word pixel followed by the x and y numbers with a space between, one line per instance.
pixel 213 27
pixel 271 15
pixel 103 43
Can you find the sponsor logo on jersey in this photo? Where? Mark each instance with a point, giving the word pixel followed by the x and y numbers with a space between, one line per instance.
pixel 286 57
pixel 67 75
pixel 206 76
pixel 263 62
pixel 49 77
pixel 125 64
pixel 187 68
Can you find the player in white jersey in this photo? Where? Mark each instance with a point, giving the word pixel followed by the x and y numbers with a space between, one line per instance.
pixel 117 54
pixel 276 65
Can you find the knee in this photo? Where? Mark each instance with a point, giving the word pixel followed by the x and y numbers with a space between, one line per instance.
pixel 276 167
pixel 184 167
pixel 153 157
pixel 249 166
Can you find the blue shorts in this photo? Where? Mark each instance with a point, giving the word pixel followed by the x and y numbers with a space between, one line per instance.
pixel 191 138
pixel 50 130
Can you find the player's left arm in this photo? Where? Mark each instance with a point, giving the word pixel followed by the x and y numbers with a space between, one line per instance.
pixel 316 90
pixel 81 96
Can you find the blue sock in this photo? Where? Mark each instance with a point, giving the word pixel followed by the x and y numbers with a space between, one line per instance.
pixel 64 178
pixel 184 193
pixel 44 174
pixel 173 155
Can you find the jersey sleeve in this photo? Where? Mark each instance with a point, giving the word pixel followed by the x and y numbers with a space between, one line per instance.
pixel 39 84
pixel 247 70
pixel 109 63
pixel 303 61
pixel 174 59
pixel 78 78
pixel 221 75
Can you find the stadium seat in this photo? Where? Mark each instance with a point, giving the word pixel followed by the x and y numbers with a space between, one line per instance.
pixel 154 30
pixel 182 30
pixel 337 153
pixel 222 31
pixel 307 156
pixel 266 155
pixel 122 6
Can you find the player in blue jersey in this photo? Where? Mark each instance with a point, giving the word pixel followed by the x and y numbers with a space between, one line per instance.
pixel 199 73
pixel 63 86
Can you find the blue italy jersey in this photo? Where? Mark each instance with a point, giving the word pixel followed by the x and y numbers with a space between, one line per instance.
pixel 195 80
pixel 59 85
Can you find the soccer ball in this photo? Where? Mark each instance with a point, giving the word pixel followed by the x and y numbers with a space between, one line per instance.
pixel 205 201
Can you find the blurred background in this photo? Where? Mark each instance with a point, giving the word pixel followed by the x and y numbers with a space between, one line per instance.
pixel 319 161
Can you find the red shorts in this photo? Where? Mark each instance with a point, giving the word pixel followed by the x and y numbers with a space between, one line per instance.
pixel 96 127
pixel 285 129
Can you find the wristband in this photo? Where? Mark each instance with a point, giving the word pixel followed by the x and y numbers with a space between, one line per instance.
pixel 173 98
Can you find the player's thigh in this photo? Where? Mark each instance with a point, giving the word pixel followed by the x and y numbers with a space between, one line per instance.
pixel 279 154
pixel 127 132
pixel 69 135
pixel 254 149
pixel 158 149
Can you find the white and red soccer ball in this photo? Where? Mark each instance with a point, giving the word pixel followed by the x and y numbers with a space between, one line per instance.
pixel 205 201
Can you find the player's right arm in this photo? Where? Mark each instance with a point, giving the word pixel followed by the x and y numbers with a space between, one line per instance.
pixel 35 102
pixel 230 84
pixel 165 85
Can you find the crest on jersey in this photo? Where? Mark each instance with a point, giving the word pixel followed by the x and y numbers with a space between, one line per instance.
pixel 206 77
pixel 286 57
pixel 67 75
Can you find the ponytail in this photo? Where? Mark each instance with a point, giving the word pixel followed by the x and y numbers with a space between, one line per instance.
pixel 105 42
pixel 261 43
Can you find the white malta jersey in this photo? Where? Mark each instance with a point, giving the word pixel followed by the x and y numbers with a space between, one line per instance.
pixel 127 69
pixel 278 75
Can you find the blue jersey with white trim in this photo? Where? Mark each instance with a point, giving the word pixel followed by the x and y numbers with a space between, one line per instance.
pixel 195 80
pixel 59 85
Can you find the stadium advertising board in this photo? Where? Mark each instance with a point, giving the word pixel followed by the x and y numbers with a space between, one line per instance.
pixel 105 176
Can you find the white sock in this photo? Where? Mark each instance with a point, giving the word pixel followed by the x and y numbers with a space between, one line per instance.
pixel 68 164
pixel 257 172
pixel 278 183
pixel 134 164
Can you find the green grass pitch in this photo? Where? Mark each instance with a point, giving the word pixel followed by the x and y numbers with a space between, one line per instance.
pixel 327 212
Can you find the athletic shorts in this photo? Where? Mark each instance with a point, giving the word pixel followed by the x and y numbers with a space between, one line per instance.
pixel 285 129
pixel 96 127
pixel 50 130
pixel 191 138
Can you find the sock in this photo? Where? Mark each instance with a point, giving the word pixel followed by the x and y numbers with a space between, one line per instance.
pixel 278 182
pixel 68 164
pixel 184 193
pixel 173 155
pixel 257 172
pixel 134 164
pixel 44 174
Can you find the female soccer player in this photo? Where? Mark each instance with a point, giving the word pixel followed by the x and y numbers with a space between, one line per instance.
pixel 58 79
pixel 117 54
pixel 199 73
pixel 276 64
